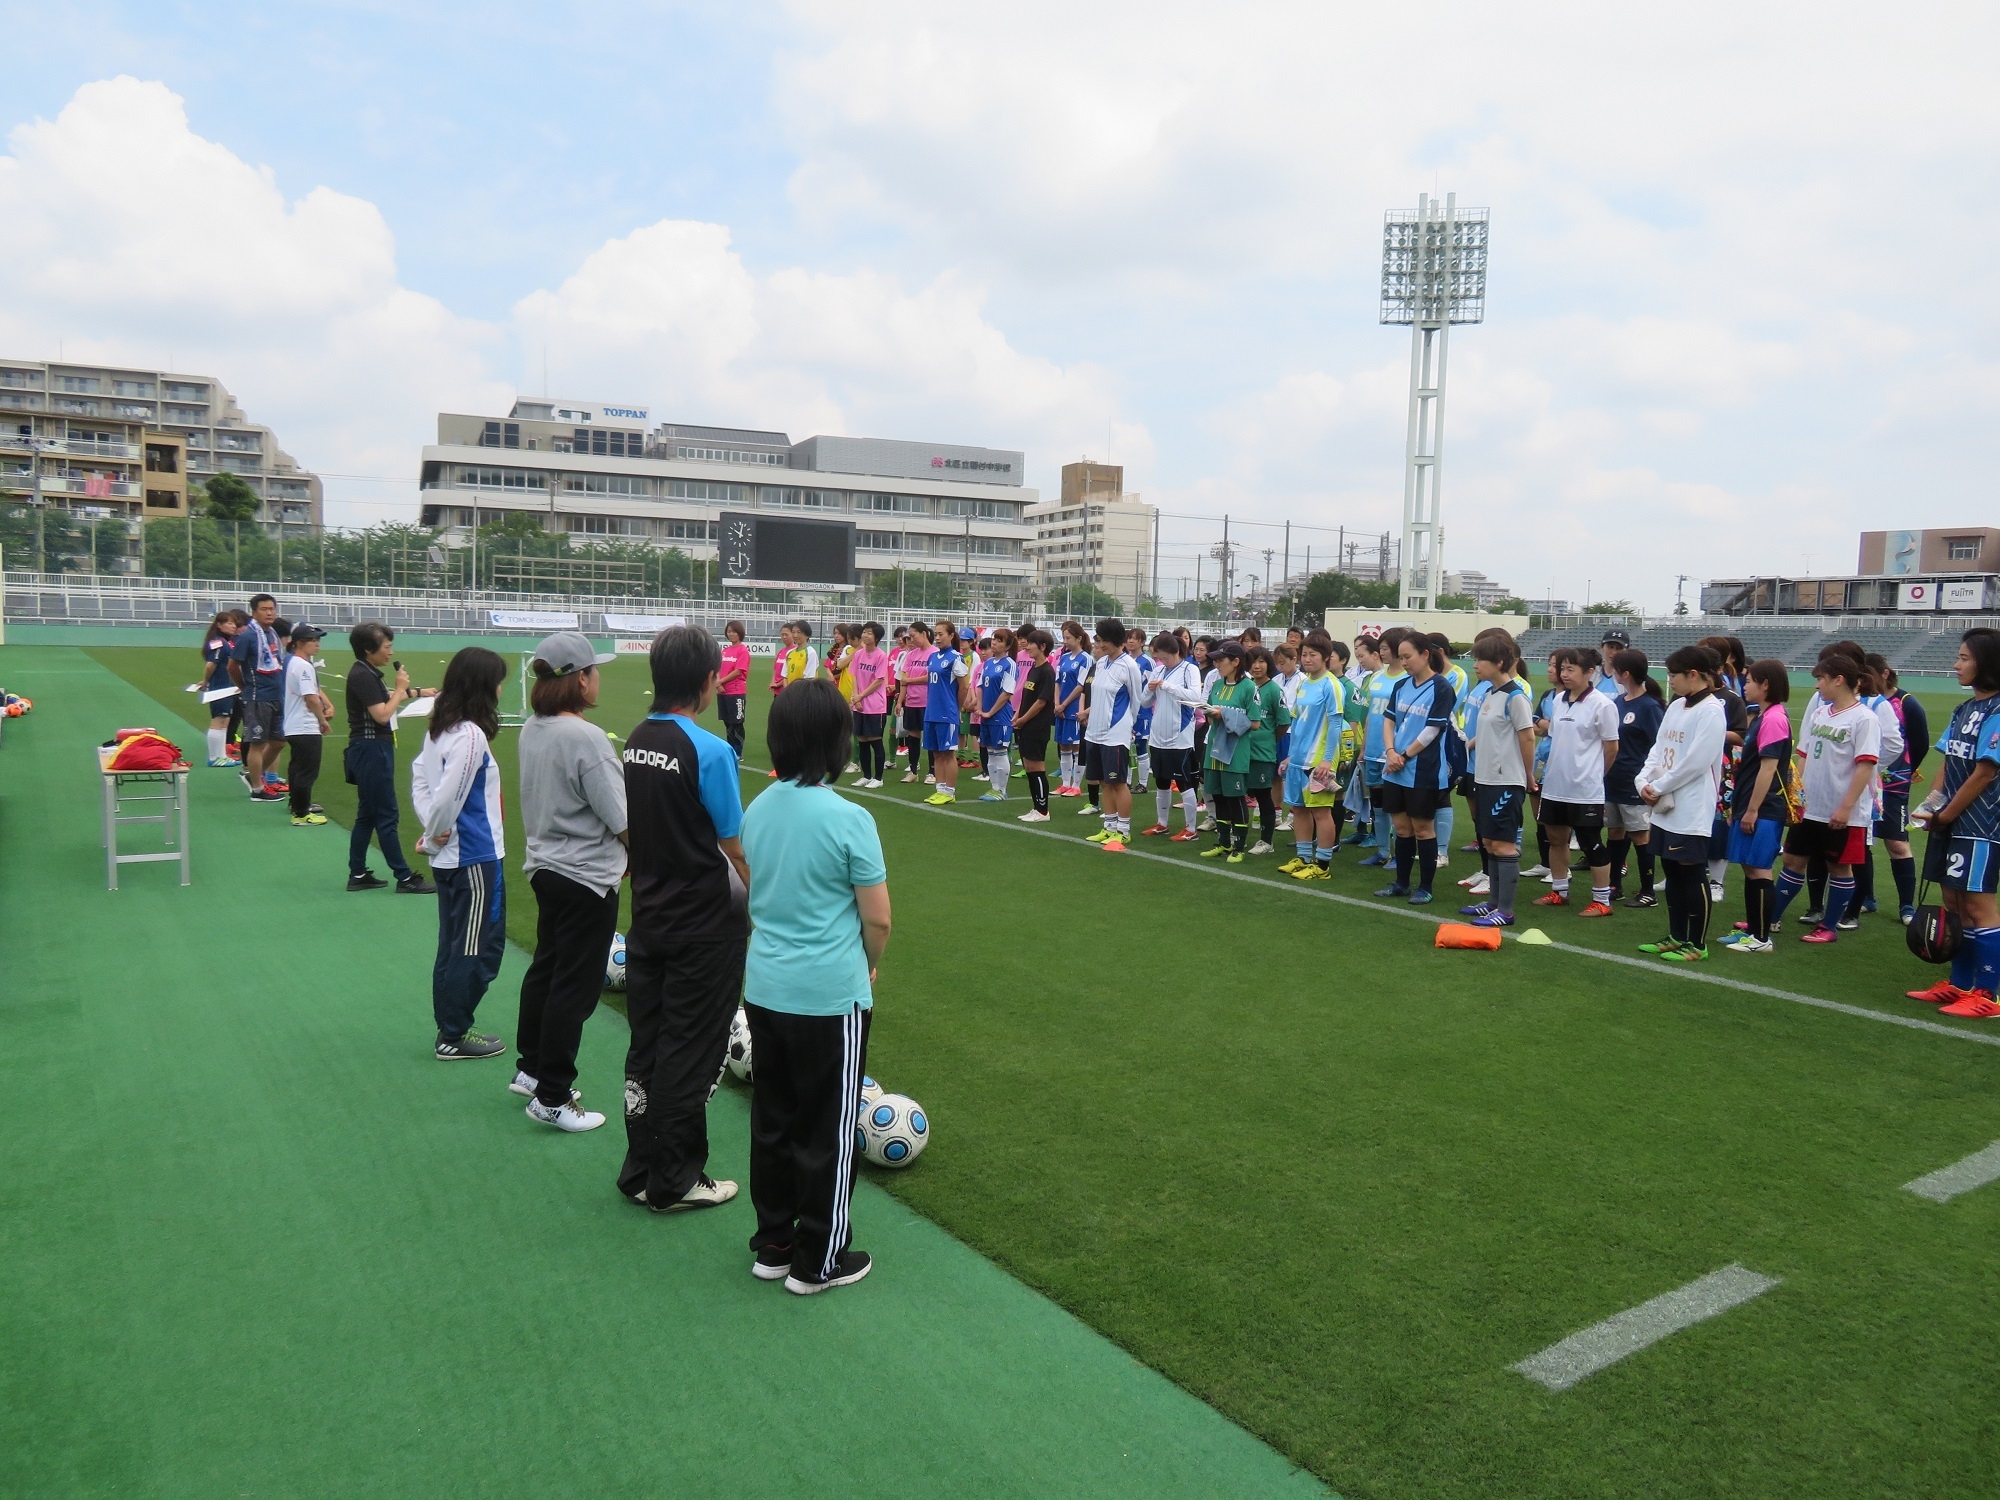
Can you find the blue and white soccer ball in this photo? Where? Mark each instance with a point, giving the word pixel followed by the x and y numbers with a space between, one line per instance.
pixel 614 963
pixel 894 1130
pixel 737 1057
pixel 870 1091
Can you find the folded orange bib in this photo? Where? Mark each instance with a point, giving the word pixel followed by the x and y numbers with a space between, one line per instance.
pixel 1459 935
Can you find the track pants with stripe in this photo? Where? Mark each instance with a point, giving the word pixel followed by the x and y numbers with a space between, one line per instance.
pixel 680 1001
pixel 804 1118
pixel 472 939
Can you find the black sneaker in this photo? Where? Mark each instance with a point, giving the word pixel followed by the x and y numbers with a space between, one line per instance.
pixel 1814 918
pixel 773 1263
pixel 415 885
pixel 367 880
pixel 1848 923
pixel 1644 898
pixel 849 1267
pixel 474 1044
pixel 270 797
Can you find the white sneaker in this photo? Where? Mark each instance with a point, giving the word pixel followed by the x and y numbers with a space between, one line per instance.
pixel 909 777
pixel 1471 880
pixel 565 1116
pixel 852 765
pixel 522 1085
pixel 1206 825
pixel 930 780
pixel 1087 811
pixel 1549 878
pixel 1715 892
pixel 1031 816
pixel 1479 885
pixel 1536 873
pixel 706 1193
pixel 1260 847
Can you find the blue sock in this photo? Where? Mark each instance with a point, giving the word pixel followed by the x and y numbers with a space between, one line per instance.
pixel 1324 855
pixel 1303 848
pixel 1445 817
pixel 1965 962
pixel 1790 882
pixel 1385 837
pixel 1838 894
pixel 1985 945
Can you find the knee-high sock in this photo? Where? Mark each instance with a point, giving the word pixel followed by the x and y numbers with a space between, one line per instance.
pixel 1542 845
pixel 1506 875
pixel 1385 835
pixel 1816 884
pixel 1619 848
pixel 1984 942
pixel 1839 896
pixel 1905 871
pixel 1446 820
pixel 1267 815
pixel 1864 876
pixel 1406 858
pixel 1717 869
pixel 1427 861
pixel 997 769
pixel 1190 814
pixel 1789 883
pixel 1758 898
pixel 1038 790
pixel 218 741
pixel 1645 852
pixel 1096 790
pixel 1164 801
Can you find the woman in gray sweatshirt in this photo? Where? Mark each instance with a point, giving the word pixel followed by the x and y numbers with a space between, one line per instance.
pixel 573 809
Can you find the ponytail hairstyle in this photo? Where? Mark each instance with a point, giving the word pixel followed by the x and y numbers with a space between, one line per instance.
pixel 1427 644
pixel 1634 665
pixel 1703 660
pixel 215 630
pixel 471 693
pixel 1771 673
pixel 1835 663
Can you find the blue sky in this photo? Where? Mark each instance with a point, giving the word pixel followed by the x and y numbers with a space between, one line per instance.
pixel 1728 328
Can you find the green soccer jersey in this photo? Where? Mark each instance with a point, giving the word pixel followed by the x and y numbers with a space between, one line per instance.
pixel 1242 694
pixel 1263 736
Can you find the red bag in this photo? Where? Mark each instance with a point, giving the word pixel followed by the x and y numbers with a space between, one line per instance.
pixel 145 752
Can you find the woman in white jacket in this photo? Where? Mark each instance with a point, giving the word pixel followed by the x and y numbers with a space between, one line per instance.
pixel 1679 783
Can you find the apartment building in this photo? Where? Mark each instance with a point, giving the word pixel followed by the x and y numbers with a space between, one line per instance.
pixel 1095 534
pixel 112 441
pixel 1476 586
pixel 606 471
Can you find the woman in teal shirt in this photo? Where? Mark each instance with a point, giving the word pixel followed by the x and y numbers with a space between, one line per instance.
pixel 819 905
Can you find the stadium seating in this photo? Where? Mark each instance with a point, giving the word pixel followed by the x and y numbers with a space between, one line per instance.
pixel 1908 648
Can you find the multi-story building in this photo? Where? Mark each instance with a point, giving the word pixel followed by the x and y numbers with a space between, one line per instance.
pixel 94 430
pixel 606 472
pixel 1905 572
pixel 1475 585
pixel 1096 534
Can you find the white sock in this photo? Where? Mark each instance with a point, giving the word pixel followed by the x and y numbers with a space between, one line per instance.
pixel 1717 868
pixel 218 742
pixel 1145 770
pixel 1165 800
pixel 1189 816
pixel 996 772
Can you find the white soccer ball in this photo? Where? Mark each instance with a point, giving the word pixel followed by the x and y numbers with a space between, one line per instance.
pixel 894 1130
pixel 737 1058
pixel 870 1090
pixel 614 963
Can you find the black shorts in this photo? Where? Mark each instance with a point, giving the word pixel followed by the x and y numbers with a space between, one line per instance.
pixel 1108 764
pixel 1680 848
pixel 1496 812
pixel 1809 839
pixel 1556 814
pixel 913 722
pixel 1895 820
pixel 1033 738
pixel 1962 863
pixel 1173 770
pixel 261 721
pixel 1412 801
pixel 868 726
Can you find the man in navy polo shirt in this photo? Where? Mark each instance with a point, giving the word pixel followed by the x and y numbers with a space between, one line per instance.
pixel 690 927
pixel 257 665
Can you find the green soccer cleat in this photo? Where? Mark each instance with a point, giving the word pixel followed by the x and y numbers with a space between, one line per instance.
pixel 1662 946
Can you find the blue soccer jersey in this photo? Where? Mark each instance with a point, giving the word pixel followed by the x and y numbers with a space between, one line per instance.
pixel 1414 708
pixel 996 694
pixel 1381 688
pixel 1142 727
pixel 943 671
pixel 1070 670
pixel 1973 736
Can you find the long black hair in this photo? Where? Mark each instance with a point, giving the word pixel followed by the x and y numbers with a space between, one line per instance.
pixel 1634 665
pixel 471 693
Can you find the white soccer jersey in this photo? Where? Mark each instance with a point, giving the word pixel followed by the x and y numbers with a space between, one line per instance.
pixel 1578 733
pixel 1176 701
pixel 1114 690
pixel 1833 741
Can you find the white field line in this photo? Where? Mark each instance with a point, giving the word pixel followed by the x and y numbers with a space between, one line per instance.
pixel 1961 1176
pixel 1583 1354
pixel 1298 888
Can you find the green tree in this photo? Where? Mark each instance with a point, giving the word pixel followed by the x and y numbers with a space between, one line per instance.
pixel 1509 606
pixel 917 592
pixel 1610 607
pixel 227 498
pixel 1457 601
pixel 1335 590
pixel 1083 601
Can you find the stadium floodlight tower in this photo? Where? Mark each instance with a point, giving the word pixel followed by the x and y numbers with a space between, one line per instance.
pixel 1433 275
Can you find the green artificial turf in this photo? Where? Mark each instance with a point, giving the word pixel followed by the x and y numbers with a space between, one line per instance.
pixel 253 1241
pixel 1335 1181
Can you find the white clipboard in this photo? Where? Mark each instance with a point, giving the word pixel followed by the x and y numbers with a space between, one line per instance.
pixel 417 708
pixel 227 692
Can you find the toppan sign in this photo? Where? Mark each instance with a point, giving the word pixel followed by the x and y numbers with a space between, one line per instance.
pixel 636 413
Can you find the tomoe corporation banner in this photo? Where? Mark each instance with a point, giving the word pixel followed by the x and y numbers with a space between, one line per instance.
pixel 528 619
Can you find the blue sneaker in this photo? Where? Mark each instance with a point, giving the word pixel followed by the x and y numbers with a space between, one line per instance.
pixel 1479 909
pixel 1394 890
pixel 1372 862
pixel 1493 919
pixel 1422 898
pixel 989 797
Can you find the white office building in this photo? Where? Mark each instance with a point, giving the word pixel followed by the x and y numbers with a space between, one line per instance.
pixel 605 471
pixel 1095 534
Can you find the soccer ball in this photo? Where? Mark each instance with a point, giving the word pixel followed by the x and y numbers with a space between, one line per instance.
pixel 614 965
pixel 894 1130
pixel 737 1058
pixel 870 1090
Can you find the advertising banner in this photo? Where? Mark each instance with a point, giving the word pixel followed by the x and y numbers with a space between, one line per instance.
pixel 641 624
pixel 528 619
pixel 1916 596
pixel 1969 595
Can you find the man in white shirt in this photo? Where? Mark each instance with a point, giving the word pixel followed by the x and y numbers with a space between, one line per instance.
pixel 1115 687
pixel 307 715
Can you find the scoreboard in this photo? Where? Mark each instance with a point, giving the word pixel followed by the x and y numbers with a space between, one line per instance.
pixel 764 551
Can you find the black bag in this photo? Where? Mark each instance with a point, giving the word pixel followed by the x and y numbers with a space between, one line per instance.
pixel 1934 934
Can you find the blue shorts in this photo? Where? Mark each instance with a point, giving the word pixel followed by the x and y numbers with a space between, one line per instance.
pixel 1759 850
pixel 1295 786
pixel 1371 772
pixel 1069 731
pixel 1962 863
pixel 1284 745
pixel 940 734
pixel 995 736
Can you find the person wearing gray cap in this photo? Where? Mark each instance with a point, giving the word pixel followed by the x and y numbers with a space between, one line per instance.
pixel 573 813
